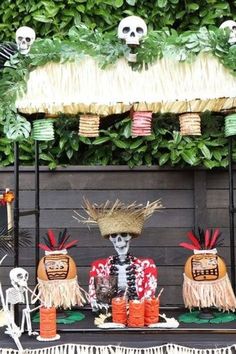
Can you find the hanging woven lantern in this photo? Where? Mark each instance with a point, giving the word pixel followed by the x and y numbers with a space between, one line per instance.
pixel 141 123
pixel 89 125
pixel 43 130
pixel 230 125
pixel 190 124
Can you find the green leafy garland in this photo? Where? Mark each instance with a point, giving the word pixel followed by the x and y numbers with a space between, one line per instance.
pixel 107 49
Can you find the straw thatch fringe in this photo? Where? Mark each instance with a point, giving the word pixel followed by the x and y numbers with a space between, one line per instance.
pixel 61 293
pixel 96 212
pixel 218 293
pixel 167 86
pixel 117 217
pixel 110 349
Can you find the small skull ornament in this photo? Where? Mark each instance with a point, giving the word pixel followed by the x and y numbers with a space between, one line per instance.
pixel 19 277
pixel 132 29
pixel 25 36
pixel 231 25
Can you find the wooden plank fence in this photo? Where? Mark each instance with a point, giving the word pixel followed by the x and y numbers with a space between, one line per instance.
pixel 192 198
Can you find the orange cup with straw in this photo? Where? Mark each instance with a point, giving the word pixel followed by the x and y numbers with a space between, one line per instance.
pixel 119 310
pixel 136 313
pixel 151 311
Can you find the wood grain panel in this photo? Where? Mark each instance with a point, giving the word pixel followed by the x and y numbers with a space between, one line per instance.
pixel 73 199
pixel 63 218
pixel 127 180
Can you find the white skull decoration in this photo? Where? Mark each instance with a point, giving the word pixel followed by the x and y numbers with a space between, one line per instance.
pixel 232 27
pixel 19 277
pixel 121 243
pixel 132 29
pixel 25 36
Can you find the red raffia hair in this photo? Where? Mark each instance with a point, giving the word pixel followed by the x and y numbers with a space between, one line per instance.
pixel 51 244
pixel 205 240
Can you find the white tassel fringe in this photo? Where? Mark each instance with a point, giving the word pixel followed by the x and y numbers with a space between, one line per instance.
pixel 110 349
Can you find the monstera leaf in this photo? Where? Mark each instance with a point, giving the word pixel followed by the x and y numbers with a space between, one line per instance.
pixel 17 128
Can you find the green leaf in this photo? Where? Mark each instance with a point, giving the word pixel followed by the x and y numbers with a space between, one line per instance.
pixel 101 140
pixel 205 151
pixel 45 157
pixel 136 144
pixel 162 3
pixel 121 144
pixel 164 158
pixel 189 157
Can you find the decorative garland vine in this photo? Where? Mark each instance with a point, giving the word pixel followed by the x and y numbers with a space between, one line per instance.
pixel 107 49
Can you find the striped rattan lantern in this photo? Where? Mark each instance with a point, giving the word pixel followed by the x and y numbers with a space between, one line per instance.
pixel 190 124
pixel 141 123
pixel 89 125
pixel 43 130
pixel 230 125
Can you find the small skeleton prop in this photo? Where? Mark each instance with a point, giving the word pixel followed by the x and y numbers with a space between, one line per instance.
pixel 135 278
pixel 132 29
pixel 25 36
pixel 231 25
pixel 17 294
pixel 12 329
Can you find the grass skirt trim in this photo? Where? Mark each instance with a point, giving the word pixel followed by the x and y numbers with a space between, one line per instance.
pixel 61 293
pixel 218 293
pixel 90 349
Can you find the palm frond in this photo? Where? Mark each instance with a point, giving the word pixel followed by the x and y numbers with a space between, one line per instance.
pixel 7 239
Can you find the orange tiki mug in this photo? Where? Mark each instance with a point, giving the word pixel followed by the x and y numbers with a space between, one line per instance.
pixel 151 311
pixel 136 313
pixel 119 310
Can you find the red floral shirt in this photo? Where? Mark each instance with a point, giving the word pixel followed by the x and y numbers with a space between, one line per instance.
pixel 145 276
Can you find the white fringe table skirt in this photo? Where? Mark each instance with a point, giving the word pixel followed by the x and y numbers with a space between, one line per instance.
pixel 93 349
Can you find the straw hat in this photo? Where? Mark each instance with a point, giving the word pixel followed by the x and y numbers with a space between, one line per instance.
pixel 114 218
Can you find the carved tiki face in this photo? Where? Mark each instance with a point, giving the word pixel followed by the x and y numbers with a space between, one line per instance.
pixel 205 267
pixel 56 267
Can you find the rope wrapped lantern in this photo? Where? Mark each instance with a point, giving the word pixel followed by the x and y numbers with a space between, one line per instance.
pixel 141 123
pixel 57 274
pixel 206 282
pixel 89 125
pixel 190 124
pixel 230 125
pixel 43 130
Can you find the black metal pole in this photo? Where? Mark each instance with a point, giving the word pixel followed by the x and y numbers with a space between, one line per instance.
pixel 16 205
pixel 16 218
pixel 231 212
pixel 37 206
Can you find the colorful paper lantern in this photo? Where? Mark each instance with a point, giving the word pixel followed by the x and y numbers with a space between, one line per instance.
pixel 141 123
pixel 43 130
pixel 89 125
pixel 230 125
pixel 190 124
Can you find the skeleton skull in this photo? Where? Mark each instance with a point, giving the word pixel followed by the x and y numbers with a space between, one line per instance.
pixel 132 29
pixel 25 36
pixel 121 243
pixel 19 277
pixel 231 25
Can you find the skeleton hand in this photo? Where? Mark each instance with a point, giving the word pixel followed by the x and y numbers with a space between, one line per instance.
pixel 99 306
pixel 13 330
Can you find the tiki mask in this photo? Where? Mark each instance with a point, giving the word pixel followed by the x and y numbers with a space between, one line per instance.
pixel 56 267
pixel 205 267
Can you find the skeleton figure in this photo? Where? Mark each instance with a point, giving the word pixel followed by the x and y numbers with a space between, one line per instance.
pixel 25 36
pixel 231 25
pixel 132 29
pixel 121 243
pixel 17 294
